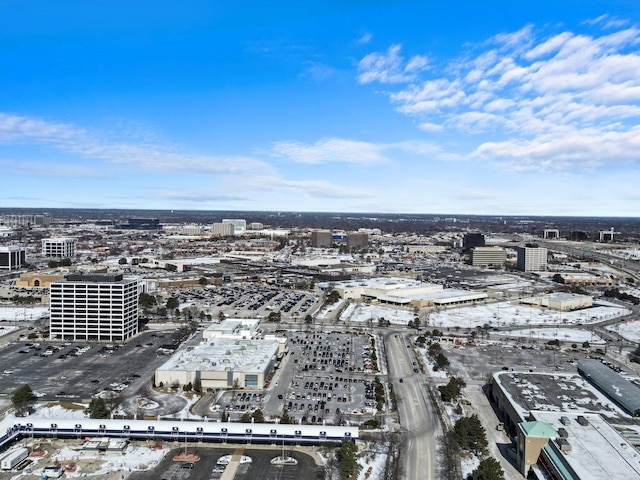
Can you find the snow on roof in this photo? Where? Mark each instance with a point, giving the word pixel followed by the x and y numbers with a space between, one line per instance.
pixel 617 388
pixel 597 450
pixel 223 354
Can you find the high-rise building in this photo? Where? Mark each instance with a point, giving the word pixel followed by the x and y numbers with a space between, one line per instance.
pixel 222 229
pixel 532 258
pixel 12 257
pixel 59 247
pixel 357 240
pixel 606 236
pixel 472 240
pixel 487 256
pixel 321 239
pixel 239 225
pixel 28 221
pixel 550 233
pixel 94 308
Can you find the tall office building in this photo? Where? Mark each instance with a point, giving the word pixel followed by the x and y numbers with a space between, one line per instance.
pixel 12 257
pixel 357 240
pixel 94 308
pixel 28 221
pixel 239 225
pixel 59 247
pixel 472 240
pixel 532 258
pixel 487 256
pixel 321 239
pixel 222 229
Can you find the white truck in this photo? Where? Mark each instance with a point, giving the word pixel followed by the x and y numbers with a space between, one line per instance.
pixel 13 458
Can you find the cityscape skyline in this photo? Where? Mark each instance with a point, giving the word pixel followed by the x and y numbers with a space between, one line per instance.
pixel 392 107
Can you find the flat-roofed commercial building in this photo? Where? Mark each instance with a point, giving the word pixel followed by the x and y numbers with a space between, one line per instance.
pixel 222 363
pixel 12 257
pixel 561 424
pixel 59 247
pixel 532 258
pixel 94 308
pixel 487 256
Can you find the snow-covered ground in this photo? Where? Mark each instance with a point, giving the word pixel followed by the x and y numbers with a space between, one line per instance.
pixel 327 309
pixel 505 314
pixel 20 314
pixel 629 330
pixel 366 313
pixel 562 334
pixel 7 329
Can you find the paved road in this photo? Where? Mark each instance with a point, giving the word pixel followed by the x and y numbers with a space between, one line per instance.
pixel 499 442
pixel 416 412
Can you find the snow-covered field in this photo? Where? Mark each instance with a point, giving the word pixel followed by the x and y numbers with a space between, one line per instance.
pixel 365 313
pixel 7 329
pixel 562 334
pixel 629 330
pixel 19 314
pixel 505 314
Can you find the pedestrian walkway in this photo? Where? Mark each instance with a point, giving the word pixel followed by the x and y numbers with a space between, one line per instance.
pixel 230 472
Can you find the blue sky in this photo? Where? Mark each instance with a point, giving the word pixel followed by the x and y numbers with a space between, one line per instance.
pixel 467 107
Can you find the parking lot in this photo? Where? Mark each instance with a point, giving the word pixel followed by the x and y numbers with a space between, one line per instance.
pixel 62 370
pixel 322 377
pixel 208 468
pixel 250 299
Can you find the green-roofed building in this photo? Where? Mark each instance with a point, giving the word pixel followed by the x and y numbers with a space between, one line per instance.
pixel 532 438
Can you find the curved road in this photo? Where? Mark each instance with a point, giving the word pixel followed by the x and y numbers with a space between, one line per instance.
pixel 420 424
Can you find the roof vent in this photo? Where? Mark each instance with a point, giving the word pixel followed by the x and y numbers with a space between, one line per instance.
pixel 583 420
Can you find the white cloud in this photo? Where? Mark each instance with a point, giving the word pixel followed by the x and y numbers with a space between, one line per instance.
pixel 197 197
pixel 430 127
pixel 530 101
pixel 390 67
pixel 16 129
pixel 365 38
pixel 43 169
pixel 329 151
pixel 322 189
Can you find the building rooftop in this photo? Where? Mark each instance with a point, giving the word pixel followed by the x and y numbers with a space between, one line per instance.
pixel 597 451
pixel 539 429
pixel 224 354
